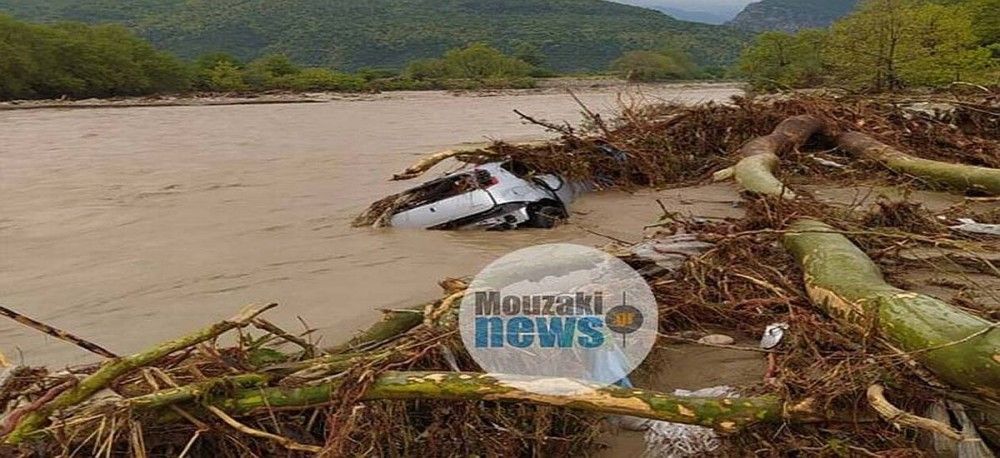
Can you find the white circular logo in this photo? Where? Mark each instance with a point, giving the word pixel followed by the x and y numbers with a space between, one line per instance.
pixel 559 311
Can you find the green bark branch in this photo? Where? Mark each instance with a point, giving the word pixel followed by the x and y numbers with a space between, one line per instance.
pixel 196 390
pixel 725 414
pixel 960 348
pixel 960 177
pixel 755 171
pixel 394 323
pixel 118 367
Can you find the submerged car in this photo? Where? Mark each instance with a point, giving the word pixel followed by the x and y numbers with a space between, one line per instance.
pixel 496 196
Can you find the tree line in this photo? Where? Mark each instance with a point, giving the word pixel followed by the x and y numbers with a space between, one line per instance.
pixel 81 61
pixel 884 45
pixel 76 60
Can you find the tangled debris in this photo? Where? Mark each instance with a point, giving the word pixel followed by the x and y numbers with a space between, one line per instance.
pixel 835 384
pixel 668 145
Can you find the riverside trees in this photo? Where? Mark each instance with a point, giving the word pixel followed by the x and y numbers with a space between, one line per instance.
pixel 76 60
pixel 884 45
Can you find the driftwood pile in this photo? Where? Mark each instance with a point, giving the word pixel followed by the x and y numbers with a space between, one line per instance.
pixel 865 368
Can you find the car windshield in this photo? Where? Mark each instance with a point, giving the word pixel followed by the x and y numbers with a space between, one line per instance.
pixel 517 168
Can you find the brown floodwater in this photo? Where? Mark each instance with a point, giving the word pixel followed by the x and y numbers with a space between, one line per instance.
pixel 129 226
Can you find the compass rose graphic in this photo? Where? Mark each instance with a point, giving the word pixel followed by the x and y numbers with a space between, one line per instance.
pixel 624 319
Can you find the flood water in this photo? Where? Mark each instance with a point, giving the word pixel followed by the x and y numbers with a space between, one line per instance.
pixel 129 226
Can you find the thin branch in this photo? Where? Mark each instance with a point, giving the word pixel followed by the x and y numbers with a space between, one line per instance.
pixel 110 372
pixel 57 333
pixel 281 440
pixel 567 131
pixel 272 328
pixel 898 417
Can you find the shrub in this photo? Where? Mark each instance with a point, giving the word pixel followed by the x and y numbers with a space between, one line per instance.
pixel 262 73
pixel 225 77
pixel 479 61
pixel 321 79
pixel 78 60
pixel 652 66
pixel 476 61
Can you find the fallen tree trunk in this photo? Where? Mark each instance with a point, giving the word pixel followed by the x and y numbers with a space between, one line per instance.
pixel 755 171
pixel 960 348
pixel 960 177
pixel 480 152
pixel 428 162
pixel 726 415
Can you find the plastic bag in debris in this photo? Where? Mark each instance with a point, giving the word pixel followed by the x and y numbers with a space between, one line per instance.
pixel 972 227
pixel 669 253
pixel 773 335
pixel 931 110
pixel 675 440
pixel 953 414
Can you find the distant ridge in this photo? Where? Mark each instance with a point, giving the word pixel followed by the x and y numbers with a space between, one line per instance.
pixel 791 15
pixel 705 17
pixel 574 35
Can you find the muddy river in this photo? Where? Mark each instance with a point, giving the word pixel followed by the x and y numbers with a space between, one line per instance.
pixel 129 226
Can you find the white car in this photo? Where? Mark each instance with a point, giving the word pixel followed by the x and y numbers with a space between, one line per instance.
pixel 497 195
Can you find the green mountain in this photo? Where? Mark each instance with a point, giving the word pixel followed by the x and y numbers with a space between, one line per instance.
pixel 574 35
pixel 791 15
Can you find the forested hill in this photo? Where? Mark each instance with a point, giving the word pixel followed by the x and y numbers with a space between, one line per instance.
pixel 791 15
pixel 574 35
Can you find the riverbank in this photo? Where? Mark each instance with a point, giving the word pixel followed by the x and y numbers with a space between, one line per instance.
pixel 544 86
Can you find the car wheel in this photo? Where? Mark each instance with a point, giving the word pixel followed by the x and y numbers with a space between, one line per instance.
pixel 546 217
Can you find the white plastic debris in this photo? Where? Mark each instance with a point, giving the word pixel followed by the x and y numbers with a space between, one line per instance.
pixel 717 339
pixel 668 253
pixel 713 392
pixel 973 227
pixel 953 414
pixel 931 110
pixel 826 162
pixel 675 440
pixel 449 357
pixel 773 335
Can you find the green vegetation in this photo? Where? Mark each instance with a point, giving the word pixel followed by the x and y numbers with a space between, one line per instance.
pixel 560 35
pixel 661 65
pixel 476 65
pixel 78 61
pixel 75 60
pixel 224 73
pixel 890 44
pixel 784 60
pixel 885 45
